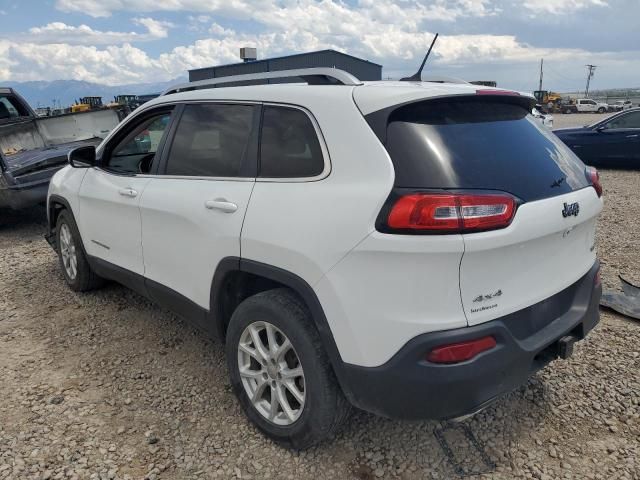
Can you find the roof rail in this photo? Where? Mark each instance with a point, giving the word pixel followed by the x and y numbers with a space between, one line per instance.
pixel 444 79
pixel 313 76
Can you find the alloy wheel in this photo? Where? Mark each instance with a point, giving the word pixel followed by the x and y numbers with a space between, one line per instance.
pixel 271 373
pixel 68 252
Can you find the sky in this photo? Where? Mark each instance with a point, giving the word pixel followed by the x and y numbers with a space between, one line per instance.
pixel 117 42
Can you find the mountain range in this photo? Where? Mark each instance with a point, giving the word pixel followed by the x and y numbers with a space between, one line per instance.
pixel 66 92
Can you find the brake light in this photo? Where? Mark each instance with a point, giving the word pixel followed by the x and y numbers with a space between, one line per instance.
pixel 498 92
pixel 462 351
pixel 450 213
pixel 594 178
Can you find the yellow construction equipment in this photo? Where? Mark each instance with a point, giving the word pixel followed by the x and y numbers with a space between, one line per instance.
pixel 545 97
pixel 87 103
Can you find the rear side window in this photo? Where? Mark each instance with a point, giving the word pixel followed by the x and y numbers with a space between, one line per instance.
pixel 211 141
pixel 476 143
pixel 10 108
pixel 289 145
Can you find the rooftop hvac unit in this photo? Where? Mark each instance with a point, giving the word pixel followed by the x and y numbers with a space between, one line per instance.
pixel 248 54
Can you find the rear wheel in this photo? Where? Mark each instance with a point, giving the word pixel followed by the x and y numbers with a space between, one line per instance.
pixel 280 372
pixel 73 261
pixel 601 110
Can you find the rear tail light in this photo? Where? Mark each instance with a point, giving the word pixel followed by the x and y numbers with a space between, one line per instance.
pixel 594 178
pixel 451 213
pixel 462 351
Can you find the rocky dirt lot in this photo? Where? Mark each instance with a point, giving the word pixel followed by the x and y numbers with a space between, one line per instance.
pixel 561 120
pixel 107 386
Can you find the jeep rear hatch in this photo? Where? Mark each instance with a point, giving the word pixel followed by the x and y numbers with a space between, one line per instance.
pixel 481 166
pixel 478 142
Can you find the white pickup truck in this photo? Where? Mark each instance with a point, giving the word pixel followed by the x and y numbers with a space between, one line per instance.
pixel 587 105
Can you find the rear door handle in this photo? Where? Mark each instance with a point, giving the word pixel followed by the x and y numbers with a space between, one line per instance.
pixel 128 192
pixel 221 204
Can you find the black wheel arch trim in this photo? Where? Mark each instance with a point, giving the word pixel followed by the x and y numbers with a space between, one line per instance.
pixel 229 265
pixel 50 236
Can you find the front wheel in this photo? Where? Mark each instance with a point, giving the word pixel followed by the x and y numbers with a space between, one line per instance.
pixel 601 110
pixel 280 372
pixel 73 261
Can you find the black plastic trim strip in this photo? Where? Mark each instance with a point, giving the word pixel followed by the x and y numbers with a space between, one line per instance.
pixel 230 264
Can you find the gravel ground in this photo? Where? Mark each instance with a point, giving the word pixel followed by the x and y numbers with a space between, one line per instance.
pixel 561 120
pixel 107 386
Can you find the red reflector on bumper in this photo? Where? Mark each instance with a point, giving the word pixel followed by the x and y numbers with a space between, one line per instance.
pixel 462 351
pixel 597 280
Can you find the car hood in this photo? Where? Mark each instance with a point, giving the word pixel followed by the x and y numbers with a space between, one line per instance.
pixel 570 131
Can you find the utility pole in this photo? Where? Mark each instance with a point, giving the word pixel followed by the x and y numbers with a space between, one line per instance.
pixel 592 70
pixel 541 74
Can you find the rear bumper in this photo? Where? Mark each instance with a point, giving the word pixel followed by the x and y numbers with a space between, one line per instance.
pixel 408 386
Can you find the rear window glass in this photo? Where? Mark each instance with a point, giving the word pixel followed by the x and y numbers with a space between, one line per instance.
pixel 473 143
pixel 11 108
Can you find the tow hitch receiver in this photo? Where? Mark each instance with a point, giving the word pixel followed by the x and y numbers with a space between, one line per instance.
pixel 565 346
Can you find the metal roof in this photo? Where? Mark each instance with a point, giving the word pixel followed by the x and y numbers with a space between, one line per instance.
pixel 328 50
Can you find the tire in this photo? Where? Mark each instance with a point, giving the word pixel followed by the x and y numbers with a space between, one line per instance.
pixel 601 110
pixel 80 278
pixel 323 408
pixel 567 111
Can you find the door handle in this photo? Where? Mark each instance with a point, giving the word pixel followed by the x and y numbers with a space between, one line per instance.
pixel 221 204
pixel 128 192
pixel 632 136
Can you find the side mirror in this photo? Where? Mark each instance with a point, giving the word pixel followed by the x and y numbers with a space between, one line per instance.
pixel 601 128
pixel 83 157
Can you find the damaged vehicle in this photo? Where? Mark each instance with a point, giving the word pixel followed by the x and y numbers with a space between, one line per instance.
pixel 413 249
pixel 33 148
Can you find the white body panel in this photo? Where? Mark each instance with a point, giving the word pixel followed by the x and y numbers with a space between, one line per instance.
pixel 287 223
pixel 540 254
pixel 545 119
pixel 389 289
pixel 183 239
pixel 109 218
pixel 66 184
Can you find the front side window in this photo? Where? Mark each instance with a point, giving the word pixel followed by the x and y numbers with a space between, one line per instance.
pixel 211 140
pixel 289 145
pixel 136 152
pixel 629 120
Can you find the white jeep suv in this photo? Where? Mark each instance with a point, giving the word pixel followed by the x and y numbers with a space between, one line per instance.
pixel 414 249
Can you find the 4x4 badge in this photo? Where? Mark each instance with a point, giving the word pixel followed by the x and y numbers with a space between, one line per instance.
pixel 489 296
pixel 571 209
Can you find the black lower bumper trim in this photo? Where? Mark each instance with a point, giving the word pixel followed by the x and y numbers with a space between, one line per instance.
pixel 408 386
